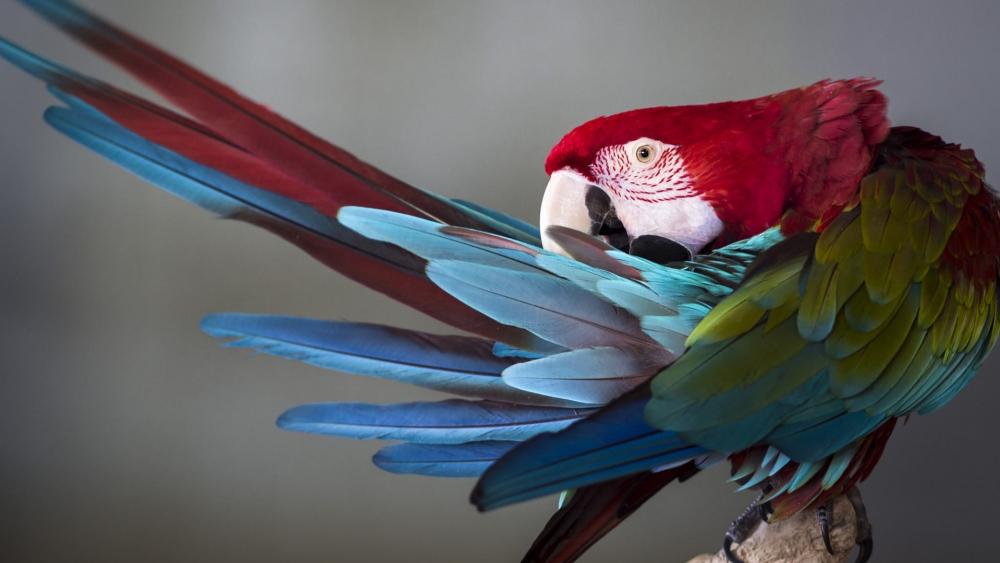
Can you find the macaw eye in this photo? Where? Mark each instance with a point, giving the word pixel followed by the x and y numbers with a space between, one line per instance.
pixel 644 153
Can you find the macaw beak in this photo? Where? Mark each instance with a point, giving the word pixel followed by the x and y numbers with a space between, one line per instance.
pixel 573 202
pixel 564 204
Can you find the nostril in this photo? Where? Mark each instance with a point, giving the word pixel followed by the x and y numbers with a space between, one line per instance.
pixel 604 221
pixel 659 249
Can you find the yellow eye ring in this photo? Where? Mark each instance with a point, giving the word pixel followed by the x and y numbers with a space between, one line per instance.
pixel 645 153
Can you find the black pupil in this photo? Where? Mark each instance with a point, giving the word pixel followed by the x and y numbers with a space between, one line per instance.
pixel 643 153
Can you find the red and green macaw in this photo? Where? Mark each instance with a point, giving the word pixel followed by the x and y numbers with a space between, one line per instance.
pixel 771 282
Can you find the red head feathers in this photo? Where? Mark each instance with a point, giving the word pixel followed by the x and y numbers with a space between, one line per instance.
pixel 790 158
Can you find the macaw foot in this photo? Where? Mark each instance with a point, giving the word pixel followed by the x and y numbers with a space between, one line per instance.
pixel 743 527
pixel 863 528
pixel 824 515
pixel 863 535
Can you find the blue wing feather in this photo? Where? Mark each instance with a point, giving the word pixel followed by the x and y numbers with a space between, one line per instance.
pixel 614 442
pixel 461 460
pixel 454 421
pixel 530 231
pixel 588 375
pixel 459 365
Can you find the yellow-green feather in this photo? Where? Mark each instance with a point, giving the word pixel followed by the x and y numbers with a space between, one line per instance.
pixel 866 318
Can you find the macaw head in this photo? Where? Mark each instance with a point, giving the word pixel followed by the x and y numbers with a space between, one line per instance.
pixel 669 182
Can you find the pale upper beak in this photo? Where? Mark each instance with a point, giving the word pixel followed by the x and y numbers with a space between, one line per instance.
pixel 564 204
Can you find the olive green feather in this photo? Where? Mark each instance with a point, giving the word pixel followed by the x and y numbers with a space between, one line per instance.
pixel 867 318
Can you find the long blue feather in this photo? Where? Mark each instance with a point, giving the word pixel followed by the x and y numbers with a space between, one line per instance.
pixel 460 460
pixel 425 239
pixel 523 227
pixel 588 375
pixel 62 12
pixel 193 182
pixel 31 63
pixel 459 365
pixel 612 443
pixel 454 421
pixel 552 308
pixel 176 174
pixel 579 273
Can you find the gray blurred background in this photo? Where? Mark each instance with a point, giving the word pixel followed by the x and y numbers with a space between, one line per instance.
pixel 128 435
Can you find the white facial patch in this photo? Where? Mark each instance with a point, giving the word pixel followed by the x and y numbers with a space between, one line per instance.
pixel 653 194
pixel 691 221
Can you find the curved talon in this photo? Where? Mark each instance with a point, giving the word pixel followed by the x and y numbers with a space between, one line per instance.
pixel 824 515
pixel 864 551
pixel 727 548
pixel 864 527
pixel 743 527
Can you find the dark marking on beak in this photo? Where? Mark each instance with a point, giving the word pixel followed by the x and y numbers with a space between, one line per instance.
pixel 604 221
pixel 659 249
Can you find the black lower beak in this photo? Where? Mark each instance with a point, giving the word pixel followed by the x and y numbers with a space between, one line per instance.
pixel 659 249
pixel 604 223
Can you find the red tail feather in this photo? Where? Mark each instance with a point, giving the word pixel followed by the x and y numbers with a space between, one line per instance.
pixel 596 510
pixel 340 176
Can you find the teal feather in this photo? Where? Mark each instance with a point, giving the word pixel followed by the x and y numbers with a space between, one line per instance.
pixel 838 464
pixel 552 308
pixel 779 464
pixel 425 239
pixel 634 297
pixel 587 375
pixel 802 475
pixel 526 231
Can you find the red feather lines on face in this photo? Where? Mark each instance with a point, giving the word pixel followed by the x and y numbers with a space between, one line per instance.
pixel 792 157
pixel 665 180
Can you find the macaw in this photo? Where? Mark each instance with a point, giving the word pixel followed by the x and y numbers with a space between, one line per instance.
pixel 771 282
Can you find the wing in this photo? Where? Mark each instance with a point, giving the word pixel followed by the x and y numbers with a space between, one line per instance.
pixel 561 336
pixel 889 311
pixel 830 337
pixel 238 159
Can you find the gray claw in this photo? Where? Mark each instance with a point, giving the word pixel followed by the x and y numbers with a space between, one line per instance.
pixel 824 515
pixel 727 548
pixel 743 527
pixel 864 526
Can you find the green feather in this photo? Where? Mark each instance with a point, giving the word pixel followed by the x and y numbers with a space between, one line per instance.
pixel 856 373
pixel 921 366
pixel 891 376
pixel 818 310
pixel 933 294
pixel 864 314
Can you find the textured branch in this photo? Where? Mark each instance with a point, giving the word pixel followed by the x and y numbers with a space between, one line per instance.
pixel 797 540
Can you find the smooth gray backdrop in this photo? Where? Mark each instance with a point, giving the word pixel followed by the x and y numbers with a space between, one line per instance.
pixel 128 435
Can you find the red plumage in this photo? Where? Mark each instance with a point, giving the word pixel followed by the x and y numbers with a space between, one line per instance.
pixel 594 511
pixel 802 150
pixel 794 158
pixel 248 142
